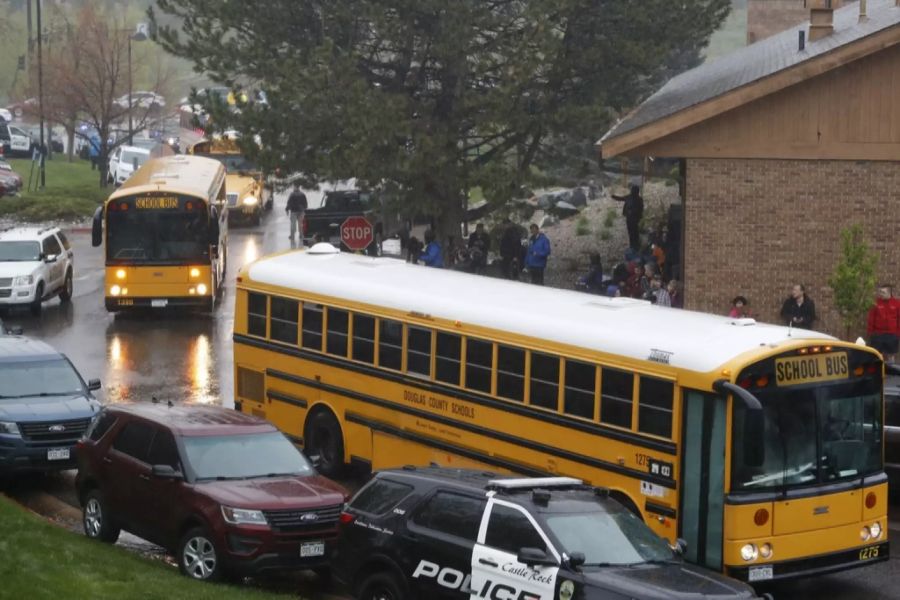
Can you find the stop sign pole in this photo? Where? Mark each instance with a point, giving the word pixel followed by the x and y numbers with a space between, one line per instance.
pixel 357 233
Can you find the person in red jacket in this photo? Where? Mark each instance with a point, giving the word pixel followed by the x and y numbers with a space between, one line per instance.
pixel 884 323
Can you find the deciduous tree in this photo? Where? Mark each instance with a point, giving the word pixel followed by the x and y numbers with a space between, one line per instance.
pixel 853 280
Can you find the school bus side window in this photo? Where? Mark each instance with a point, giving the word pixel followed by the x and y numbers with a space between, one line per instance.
pixel 338 323
pixel 655 407
pixel 581 382
pixel 364 338
pixel 447 358
pixel 312 326
pixel 511 373
pixel 390 344
pixel 544 380
pixel 479 364
pixel 284 320
pixel 256 314
pixel 418 351
pixel 617 391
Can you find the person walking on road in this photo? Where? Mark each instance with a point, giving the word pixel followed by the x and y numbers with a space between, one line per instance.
pixel 432 256
pixel 633 209
pixel 883 327
pixel 296 209
pixel 537 254
pixel 798 310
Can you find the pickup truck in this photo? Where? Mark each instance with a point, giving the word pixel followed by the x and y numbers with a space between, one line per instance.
pixel 325 222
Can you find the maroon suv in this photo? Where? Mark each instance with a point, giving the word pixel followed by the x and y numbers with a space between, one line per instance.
pixel 224 491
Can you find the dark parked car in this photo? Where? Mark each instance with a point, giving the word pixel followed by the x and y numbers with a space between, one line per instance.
pixel 224 491
pixel 325 222
pixel 452 533
pixel 45 406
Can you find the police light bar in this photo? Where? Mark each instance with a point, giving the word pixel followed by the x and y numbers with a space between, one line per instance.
pixel 534 482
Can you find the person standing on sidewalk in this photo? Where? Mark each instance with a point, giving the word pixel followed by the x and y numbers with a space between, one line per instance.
pixel 883 327
pixel 296 209
pixel 798 309
pixel 633 209
pixel 536 257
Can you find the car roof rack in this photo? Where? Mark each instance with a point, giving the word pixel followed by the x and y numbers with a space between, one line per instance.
pixel 531 483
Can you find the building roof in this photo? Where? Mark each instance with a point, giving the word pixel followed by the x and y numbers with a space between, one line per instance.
pixel 622 326
pixel 755 63
pixel 178 174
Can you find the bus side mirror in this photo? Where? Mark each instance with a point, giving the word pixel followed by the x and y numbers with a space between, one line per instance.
pixel 97 228
pixel 213 231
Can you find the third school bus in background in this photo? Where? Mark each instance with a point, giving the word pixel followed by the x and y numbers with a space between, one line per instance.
pixel 759 445
pixel 164 234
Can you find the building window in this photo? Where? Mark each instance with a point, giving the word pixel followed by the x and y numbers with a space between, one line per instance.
pixel 418 351
pixel 312 326
pixel 256 314
pixel 364 338
pixel 338 323
pixel 544 380
pixel 479 365
pixel 617 394
pixel 390 344
pixel 447 360
pixel 581 383
pixel 511 373
pixel 655 406
pixel 284 320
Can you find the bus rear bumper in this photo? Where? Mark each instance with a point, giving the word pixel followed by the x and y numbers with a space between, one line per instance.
pixel 114 304
pixel 813 565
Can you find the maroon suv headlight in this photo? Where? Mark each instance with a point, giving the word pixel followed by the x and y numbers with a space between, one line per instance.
pixel 244 516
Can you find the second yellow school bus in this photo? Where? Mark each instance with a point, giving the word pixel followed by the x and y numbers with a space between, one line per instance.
pixel 165 235
pixel 759 445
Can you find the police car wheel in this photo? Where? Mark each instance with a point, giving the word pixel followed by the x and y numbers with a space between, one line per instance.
pixel 381 586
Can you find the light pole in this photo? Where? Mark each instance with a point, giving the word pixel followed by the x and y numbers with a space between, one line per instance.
pixel 40 94
pixel 139 35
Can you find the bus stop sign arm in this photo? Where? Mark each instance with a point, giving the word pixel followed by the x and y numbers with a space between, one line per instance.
pixel 723 386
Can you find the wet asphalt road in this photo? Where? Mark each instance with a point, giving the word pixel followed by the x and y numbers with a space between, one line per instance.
pixel 188 358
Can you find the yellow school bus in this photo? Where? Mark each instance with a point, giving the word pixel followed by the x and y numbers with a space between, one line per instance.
pixel 759 445
pixel 245 187
pixel 165 235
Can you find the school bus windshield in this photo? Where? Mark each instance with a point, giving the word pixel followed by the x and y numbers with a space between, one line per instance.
pixel 158 236
pixel 234 163
pixel 807 436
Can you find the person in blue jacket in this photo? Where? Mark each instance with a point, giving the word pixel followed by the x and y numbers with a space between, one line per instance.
pixel 432 256
pixel 537 254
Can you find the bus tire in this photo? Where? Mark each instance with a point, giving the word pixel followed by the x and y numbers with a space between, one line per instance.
pixel 626 501
pixel 36 306
pixel 324 442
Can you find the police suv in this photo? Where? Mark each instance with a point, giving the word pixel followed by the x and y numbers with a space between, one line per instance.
pixel 449 533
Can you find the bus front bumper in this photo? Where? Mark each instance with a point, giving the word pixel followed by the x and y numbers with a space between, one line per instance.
pixel 812 565
pixel 116 304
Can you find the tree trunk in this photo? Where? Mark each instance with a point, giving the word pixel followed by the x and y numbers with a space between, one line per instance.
pixel 70 142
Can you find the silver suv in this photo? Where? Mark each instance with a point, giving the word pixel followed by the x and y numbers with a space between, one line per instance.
pixel 36 264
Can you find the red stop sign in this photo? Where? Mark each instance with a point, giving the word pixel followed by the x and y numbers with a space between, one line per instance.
pixel 357 233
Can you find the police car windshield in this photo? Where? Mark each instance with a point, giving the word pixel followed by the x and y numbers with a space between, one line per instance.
pixel 244 456
pixel 608 538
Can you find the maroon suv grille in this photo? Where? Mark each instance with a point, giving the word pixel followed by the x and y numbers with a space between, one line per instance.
pixel 54 431
pixel 300 520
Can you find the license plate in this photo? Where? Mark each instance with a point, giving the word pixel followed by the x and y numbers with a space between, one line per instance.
pixel 159 303
pixel 309 549
pixel 760 573
pixel 58 454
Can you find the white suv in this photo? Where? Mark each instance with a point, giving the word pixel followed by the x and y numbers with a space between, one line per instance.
pixel 35 265
pixel 124 161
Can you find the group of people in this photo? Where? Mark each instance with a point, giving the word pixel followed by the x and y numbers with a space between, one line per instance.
pixel 473 257
pixel 638 276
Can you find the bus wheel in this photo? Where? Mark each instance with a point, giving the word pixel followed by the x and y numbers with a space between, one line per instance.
pixel 325 443
pixel 626 502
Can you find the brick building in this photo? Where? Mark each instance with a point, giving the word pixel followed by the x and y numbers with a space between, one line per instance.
pixel 765 18
pixel 781 148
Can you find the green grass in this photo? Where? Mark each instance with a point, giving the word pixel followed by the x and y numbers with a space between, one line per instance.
pixel 610 219
pixel 73 192
pixel 583 226
pixel 41 560
pixel 476 195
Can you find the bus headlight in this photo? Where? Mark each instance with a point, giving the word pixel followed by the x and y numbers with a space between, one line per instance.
pixel 120 274
pixel 195 272
pixel 765 551
pixel 201 289
pixel 875 530
pixel 115 290
pixel 749 552
pixel 865 534
pixel 250 201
